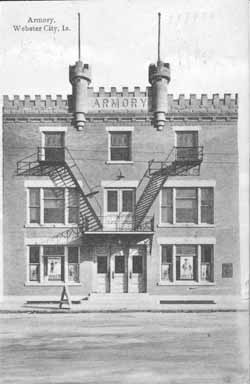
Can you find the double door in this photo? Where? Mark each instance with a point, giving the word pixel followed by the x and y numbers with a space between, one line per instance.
pixel 121 270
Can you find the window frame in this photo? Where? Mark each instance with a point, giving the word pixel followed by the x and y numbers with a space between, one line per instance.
pixel 128 147
pixel 120 129
pixel 199 222
pixel 51 130
pixel 119 192
pixel 42 280
pixel 67 207
pixel 197 280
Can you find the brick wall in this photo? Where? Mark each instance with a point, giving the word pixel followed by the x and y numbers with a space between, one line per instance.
pixel 90 150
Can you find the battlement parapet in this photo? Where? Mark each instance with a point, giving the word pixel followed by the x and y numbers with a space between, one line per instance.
pixel 125 92
pixel 193 104
pixel 36 105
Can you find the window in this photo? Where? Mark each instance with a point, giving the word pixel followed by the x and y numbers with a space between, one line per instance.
pixel 187 143
pixel 73 205
pixel 187 262
pixel 112 201
pixel 187 205
pixel 34 264
pixel 166 263
pixel 167 205
pixel 54 146
pixel 34 205
pixel 127 201
pixel 137 264
pixel 121 200
pixel 102 264
pixel 119 264
pixel 53 256
pixel 53 206
pixel 207 205
pixel 120 146
pixel 53 263
pixel 73 264
pixel 206 272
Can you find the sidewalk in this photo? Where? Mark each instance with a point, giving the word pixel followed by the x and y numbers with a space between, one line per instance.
pixel 168 304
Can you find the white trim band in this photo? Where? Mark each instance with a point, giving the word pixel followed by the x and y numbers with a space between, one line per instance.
pixel 41 183
pixel 185 128
pixel 50 241
pixel 186 240
pixel 53 129
pixel 119 128
pixel 189 183
pixel 119 183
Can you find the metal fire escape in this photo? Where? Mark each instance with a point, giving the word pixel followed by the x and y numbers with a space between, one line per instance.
pixel 60 166
pixel 179 161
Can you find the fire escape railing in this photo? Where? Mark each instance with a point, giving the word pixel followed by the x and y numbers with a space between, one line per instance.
pixel 177 156
pixel 120 224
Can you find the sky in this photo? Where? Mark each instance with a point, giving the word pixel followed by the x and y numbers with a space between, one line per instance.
pixel 205 42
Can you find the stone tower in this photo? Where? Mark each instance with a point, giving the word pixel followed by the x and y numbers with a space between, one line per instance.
pixel 159 77
pixel 80 78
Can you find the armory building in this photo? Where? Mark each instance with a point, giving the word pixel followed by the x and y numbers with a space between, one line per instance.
pixel 121 191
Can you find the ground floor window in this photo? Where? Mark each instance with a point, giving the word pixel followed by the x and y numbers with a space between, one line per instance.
pixel 187 263
pixel 54 263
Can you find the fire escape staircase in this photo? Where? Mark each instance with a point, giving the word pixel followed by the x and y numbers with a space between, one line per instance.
pixel 61 167
pixel 179 161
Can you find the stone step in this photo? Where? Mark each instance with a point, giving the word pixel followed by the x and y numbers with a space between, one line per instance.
pixel 120 298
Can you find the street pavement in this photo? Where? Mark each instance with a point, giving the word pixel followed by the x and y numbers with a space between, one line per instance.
pixel 133 348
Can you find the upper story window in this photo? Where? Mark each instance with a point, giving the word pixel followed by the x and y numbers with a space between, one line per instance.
pixel 53 205
pixel 121 200
pixel 187 205
pixel 120 146
pixel 53 144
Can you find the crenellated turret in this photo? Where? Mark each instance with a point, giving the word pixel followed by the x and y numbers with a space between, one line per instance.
pixel 80 78
pixel 159 77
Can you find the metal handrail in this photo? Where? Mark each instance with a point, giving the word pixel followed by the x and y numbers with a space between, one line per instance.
pixel 41 157
pixel 188 153
pixel 119 224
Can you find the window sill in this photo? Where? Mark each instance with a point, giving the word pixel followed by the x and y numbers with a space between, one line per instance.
pixel 119 162
pixel 185 225
pixel 185 283
pixel 50 283
pixel 50 225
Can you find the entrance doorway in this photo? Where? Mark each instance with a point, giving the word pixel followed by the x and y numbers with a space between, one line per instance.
pixel 121 269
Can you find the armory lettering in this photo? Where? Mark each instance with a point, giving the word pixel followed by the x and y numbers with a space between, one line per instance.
pixel 119 103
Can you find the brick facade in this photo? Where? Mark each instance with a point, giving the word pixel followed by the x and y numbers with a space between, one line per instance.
pixel 216 122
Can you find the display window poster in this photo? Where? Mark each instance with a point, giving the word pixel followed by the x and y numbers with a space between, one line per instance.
pixel 54 268
pixel 186 268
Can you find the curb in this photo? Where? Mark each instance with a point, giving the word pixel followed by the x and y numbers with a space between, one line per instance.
pixel 68 311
